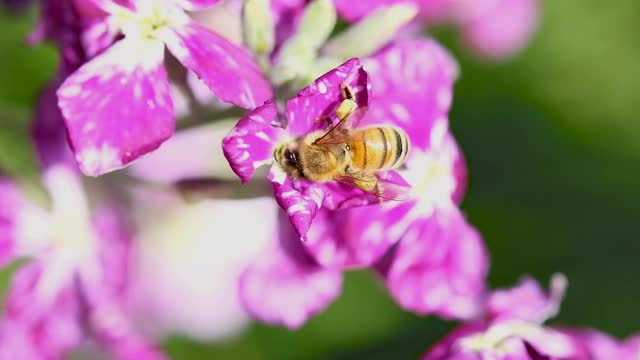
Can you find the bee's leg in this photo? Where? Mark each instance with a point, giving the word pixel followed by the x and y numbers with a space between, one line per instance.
pixel 378 192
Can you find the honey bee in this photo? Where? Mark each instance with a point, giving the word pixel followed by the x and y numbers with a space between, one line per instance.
pixel 346 154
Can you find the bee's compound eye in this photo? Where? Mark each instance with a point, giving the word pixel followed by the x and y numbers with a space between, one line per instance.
pixel 291 157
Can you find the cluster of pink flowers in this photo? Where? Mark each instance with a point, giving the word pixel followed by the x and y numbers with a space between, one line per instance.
pixel 115 262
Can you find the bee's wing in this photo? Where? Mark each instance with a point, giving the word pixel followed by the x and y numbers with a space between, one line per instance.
pixel 372 184
pixel 341 133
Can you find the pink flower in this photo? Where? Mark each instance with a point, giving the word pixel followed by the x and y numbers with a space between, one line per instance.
pixel 117 106
pixel 188 259
pixel 512 333
pixel 74 279
pixel 492 29
pixel 254 139
pixel 432 260
pixel 597 345
pixel 48 133
pixel 11 200
pixel 497 29
pixel 513 330
pixel 286 286
pixel 192 277
pixel 78 28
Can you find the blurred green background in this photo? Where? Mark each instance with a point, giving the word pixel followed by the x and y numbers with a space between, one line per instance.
pixel 553 145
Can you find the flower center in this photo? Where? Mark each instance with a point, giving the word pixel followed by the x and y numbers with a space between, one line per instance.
pixel 71 233
pixel 431 177
pixel 149 18
pixel 69 229
pixel 496 338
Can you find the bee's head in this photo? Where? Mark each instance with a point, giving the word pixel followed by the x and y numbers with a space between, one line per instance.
pixel 288 157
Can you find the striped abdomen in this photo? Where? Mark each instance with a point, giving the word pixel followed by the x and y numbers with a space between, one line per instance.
pixel 376 148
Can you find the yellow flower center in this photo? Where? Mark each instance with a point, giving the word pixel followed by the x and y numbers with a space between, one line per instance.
pixel 147 20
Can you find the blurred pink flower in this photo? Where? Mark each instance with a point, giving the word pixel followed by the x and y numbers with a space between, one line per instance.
pixel 492 29
pixel 193 277
pixel 188 258
pixel 284 285
pixel 511 333
pixel 513 330
pixel 109 124
pixel 50 139
pixel 73 283
pixel 597 345
pixel 206 141
pixel 11 200
pixel 497 29
pixel 78 27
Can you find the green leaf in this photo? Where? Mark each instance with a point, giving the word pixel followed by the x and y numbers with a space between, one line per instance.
pixel 16 153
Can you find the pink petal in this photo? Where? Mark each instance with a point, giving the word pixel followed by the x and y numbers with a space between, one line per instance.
pixel 115 240
pixel 439 266
pixel 92 9
pixel 103 283
pixel 228 70
pixel 353 11
pixel 344 196
pixel 499 29
pixel 117 107
pixel 447 348
pixel 98 35
pixel 79 28
pixel 286 15
pixel 631 348
pixel 11 203
pixel 198 297
pixel 48 130
pixel 284 285
pixel 504 342
pixel 597 345
pixel 110 6
pixel 16 341
pixel 528 301
pixel 412 87
pixel 195 5
pixel 286 5
pixel 51 328
pixel 299 199
pixel 306 111
pixel 444 152
pixel 302 199
pixel 178 151
pixel 354 238
pixel 251 143
pixel 459 167
pixel 110 326
pixel 435 12
pixel 438 175
pixel 357 237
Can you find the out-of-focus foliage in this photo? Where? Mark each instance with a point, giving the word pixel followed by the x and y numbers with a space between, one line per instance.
pixel 580 72
pixel 23 72
pixel 553 142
